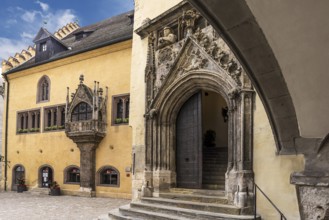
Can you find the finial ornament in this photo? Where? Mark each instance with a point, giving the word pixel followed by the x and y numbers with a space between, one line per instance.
pixel 82 78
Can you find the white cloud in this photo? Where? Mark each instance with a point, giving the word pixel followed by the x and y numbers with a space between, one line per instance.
pixel 29 16
pixel 27 35
pixel 10 47
pixel 44 6
pixel 59 19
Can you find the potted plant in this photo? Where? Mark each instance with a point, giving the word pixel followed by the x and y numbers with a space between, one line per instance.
pixel 118 120
pixel 21 187
pixel 55 190
pixel 125 120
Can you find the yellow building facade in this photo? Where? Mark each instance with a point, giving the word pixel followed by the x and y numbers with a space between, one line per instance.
pixel 37 98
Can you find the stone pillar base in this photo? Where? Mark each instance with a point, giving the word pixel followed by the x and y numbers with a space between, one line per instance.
pixel 239 188
pixel 313 195
pixel 163 180
pixel 86 192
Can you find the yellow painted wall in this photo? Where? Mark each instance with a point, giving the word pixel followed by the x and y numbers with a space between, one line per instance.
pixel 111 67
pixel 272 172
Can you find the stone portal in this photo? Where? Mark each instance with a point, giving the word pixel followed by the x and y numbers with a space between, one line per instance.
pixel 197 60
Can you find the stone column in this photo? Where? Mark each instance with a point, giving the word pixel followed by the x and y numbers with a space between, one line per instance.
pixel 87 142
pixel 239 179
pixel 87 166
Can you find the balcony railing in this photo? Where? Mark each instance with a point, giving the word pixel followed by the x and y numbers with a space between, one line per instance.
pixel 86 126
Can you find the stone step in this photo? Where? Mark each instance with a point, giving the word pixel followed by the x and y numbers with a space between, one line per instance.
pixel 115 214
pixel 219 208
pixel 213 172
pixel 214 169
pixel 212 186
pixel 38 191
pixel 215 149
pixel 195 198
pixel 178 213
pixel 214 165
pixel 200 192
pixel 213 178
pixel 214 159
pixel 148 215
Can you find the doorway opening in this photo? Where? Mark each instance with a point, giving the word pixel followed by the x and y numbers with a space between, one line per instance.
pixel 202 142
pixel 18 174
pixel 45 176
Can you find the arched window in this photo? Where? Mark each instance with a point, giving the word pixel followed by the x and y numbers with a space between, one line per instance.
pixel 19 173
pixel 108 176
pixel 82 112
pixel 43 89
pixel 72 175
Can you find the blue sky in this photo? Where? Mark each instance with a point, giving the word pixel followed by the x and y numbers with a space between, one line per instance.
pixel 21 19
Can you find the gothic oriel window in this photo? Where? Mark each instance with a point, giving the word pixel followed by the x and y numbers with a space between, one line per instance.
pixel 43 89
pixel 82 112
pixel 72 175
pixel 109 176
pixel 120 109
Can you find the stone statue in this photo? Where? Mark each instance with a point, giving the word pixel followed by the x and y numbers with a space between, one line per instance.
pixel 168 38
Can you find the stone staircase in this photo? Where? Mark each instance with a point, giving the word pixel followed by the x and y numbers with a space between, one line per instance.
pixel 214 168
pixel 38 191
pixel 181 204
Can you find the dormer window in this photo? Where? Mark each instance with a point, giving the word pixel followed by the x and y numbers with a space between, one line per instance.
pixel 82 34
pixel 79 36
pixel 43 46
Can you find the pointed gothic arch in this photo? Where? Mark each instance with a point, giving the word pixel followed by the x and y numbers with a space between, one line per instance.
pixel 43 89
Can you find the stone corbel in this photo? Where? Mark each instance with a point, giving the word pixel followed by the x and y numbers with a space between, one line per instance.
pixel 151 114
pixel 312 184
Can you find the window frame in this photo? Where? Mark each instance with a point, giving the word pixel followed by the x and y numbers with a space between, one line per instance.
pixel 66 179
pixel 99 176
pixel 125 98
pixel 43 46
pixel 82 113
pixel 40 89
pixel 53 127
pixel 24 121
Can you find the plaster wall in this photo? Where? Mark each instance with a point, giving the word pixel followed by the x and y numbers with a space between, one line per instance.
pixel 297 31
pixel 272 172
pixel 111 67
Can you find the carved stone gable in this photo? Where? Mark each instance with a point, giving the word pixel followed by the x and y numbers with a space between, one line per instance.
pixel 184 44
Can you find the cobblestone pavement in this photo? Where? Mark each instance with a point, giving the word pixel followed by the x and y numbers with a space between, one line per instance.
pixel 21 206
